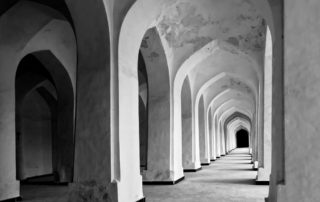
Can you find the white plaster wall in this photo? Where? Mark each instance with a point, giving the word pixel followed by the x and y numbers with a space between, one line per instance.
pixel 129 44
pixel 278 93
pixel 158 109
pixel 301 101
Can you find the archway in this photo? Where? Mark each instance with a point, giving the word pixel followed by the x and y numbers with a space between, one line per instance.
pixel 154 127
pixel 44 119
pixel 50 32
pixel 230 128
pixel 233 126
pixel 242 138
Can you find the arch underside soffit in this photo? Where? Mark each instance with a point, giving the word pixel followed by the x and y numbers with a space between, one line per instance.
pixel 221 91
pixel 237 124
pixel 236 120
pixel 226 111
pixel 231 106
pixel 191 33
pixel 228 108
pixel 231 133
pixel 235 112
pixel 225 99
pixel 224 81
pixel 236 117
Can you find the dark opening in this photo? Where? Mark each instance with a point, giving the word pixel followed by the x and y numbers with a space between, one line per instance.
pixel 242 137
pixel 143 112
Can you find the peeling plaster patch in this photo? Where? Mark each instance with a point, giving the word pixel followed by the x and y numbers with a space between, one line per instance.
pixel 195 21
pixel 242 17
pixel 233 40
pixel 248 89
pixel 224 87
pixel 199 42
pixel 144 43
pixel 230 49
pixel 255 39
pixel 181 25
pixel 153 55
pixel 248 5
pixel 236 82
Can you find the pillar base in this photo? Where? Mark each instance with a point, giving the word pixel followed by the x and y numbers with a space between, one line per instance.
pixel 162 176
pixel 16 199
pixel 262 182
pixel 263 177
pixel 280 194
pixel 205 164
pixel 163 182
pixel 255 165
pixel 12 190
pixel 205 161
pixel 142 200
pixel 192 167
pixel 192 170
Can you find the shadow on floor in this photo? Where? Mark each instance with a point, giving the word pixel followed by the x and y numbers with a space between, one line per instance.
pixel 237 156
pixel 237 159
pixel 228 181
pixel 236 169
pixel 43 193
pixel 226 162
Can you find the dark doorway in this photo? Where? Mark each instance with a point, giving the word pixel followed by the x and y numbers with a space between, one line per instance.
pixel 242 138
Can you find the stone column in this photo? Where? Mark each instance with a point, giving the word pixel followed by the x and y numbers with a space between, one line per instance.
pixel 264 170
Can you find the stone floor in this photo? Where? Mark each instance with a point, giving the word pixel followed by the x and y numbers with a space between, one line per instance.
pixel 229 179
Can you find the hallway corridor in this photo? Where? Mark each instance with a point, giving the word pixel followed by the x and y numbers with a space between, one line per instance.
pixel 229 179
